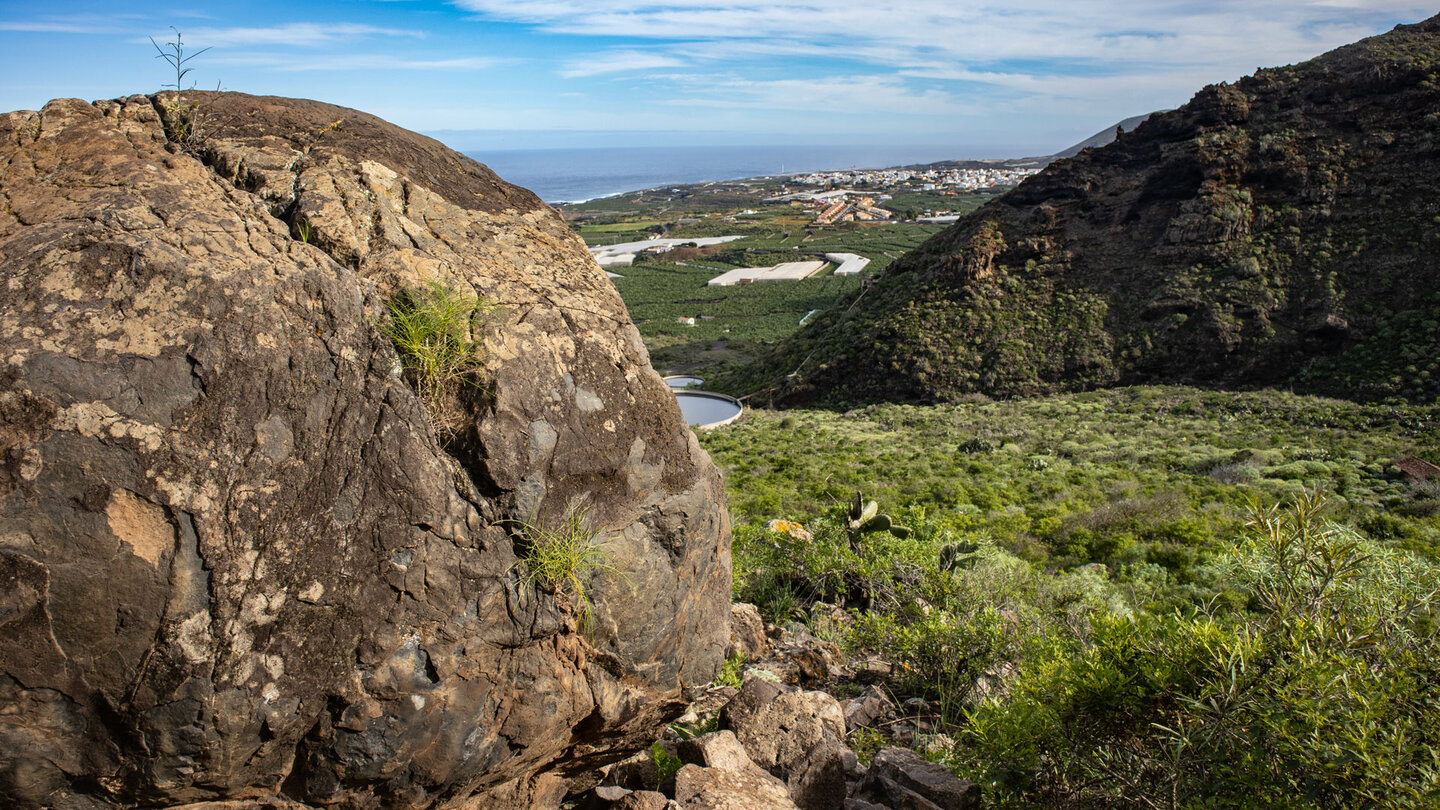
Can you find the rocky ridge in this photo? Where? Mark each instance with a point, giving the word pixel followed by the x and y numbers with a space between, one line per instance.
pixel 1280 230
pixel 239 565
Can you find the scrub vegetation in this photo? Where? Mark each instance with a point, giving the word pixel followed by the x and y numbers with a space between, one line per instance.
pixel 1108 589
pixel 1143 597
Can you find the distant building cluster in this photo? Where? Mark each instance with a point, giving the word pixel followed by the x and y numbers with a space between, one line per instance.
pixel 926 180
pixel 862 209
pixel 840 205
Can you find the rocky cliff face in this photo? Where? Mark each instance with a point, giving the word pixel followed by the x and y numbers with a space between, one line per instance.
pixel 1281 230
pixel 236 562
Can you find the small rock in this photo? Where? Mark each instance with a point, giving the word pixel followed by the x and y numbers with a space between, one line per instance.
pixel 871 670
pixel 611 793
pixel 902 733
pixel 870 708
pixel 642 800
pixel 899 777
pixel 698 788
pixel 800 657
pixel 747 632
pixel 636 773
pixel 720 749
pixel 916 705
pixel 935 744
pixel 797 736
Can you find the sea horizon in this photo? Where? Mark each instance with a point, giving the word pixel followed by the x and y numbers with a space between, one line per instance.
pixel 571 175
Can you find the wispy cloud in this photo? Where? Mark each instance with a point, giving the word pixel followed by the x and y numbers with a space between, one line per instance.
pixel 619 61
pixel 53 27
pixel 68 24
pixel 838 95
pixel 300 34
pixel 352 62
pixel 1080 58
pixel 972 31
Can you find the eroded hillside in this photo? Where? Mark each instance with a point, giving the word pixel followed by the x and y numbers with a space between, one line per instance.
pixel 1281 230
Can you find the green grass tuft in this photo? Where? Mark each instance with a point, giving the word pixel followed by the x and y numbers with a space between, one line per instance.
pixel 433 328
pixel 561 556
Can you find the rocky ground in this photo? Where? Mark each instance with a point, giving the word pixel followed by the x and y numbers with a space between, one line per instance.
pixel 775 744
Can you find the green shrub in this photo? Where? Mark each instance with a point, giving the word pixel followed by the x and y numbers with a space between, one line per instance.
pixel 1324 693
pixel 939 655
pixel 732 672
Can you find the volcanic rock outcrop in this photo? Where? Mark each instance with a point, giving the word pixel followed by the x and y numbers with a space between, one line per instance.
pixel 239 560
pixel 1281 230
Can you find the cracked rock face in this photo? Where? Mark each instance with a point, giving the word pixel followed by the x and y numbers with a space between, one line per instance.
pixel 236 562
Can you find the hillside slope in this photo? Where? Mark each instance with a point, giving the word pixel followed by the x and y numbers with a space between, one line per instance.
pixel 1103 137
pixel 1278 231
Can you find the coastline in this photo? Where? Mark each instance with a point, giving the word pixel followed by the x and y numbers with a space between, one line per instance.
pixel 568 176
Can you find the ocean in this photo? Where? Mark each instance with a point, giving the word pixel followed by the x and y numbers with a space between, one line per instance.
pixel 576 175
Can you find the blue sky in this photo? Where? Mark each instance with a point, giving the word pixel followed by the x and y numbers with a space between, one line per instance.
pixel 993 77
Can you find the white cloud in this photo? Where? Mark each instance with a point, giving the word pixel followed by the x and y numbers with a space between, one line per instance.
pixel 294 35
pixel 978 31
pixel 841 96
pixel 618 62
pixel 70 24
pixel 1075 60
pixel 361 61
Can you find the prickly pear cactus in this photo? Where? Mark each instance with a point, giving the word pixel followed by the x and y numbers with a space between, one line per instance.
pixel 865 517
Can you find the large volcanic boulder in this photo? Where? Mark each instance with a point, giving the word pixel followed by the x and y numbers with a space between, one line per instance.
pixel 1276 231
pixel 239 559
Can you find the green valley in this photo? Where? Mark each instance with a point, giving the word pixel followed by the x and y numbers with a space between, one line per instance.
pixel 1110 557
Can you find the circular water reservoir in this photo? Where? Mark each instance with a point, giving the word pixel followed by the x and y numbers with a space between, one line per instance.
pixel 683 382
pixel 703 409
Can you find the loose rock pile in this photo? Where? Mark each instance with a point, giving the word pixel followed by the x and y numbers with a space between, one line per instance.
pixel 778 746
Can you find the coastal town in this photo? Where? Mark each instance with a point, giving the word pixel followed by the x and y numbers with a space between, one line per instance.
pixel 689 258
pixel 925 179
pixel 924 193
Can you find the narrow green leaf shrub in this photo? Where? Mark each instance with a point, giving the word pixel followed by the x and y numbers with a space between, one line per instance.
pixel 732 671
pixel 1324 692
